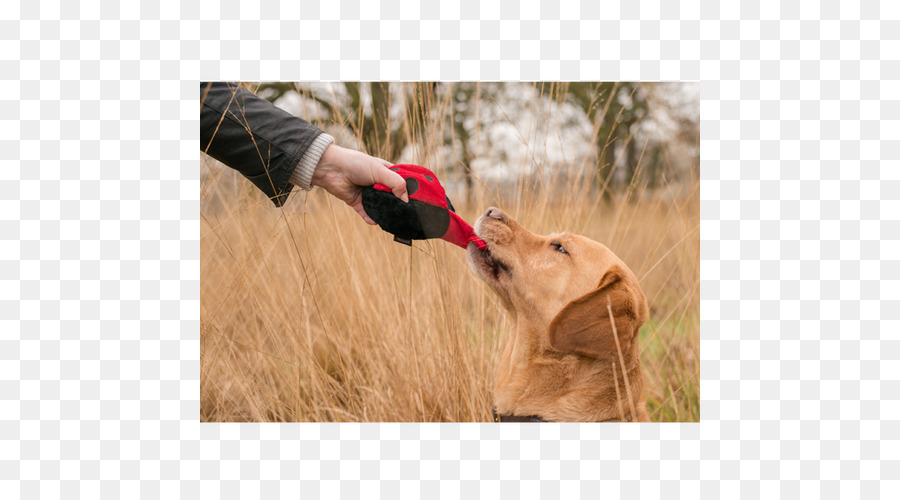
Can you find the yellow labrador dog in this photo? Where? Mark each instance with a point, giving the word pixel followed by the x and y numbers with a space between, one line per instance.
pixel 576 308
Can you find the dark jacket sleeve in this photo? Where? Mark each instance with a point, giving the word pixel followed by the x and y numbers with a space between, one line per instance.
pixel 252 136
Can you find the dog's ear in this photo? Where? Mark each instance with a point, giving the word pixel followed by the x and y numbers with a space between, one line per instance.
pixel 583 326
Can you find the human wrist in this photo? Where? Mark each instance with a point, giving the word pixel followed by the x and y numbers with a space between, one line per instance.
pixel 303 172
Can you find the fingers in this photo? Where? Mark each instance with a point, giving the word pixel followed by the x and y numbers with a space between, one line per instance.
pixel 394 181
pixel 362 213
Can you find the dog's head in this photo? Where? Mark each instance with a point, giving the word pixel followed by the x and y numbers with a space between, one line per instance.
pixel 562 283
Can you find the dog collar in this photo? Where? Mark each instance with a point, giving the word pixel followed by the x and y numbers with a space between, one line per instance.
pixel 535 418
pixel 514 418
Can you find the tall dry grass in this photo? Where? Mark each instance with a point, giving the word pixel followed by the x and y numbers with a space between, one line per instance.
pixel 308 314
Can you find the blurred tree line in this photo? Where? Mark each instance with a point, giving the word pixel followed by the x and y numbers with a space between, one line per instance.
pixel 645 134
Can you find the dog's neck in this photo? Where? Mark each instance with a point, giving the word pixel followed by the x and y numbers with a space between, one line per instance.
pixel 564 385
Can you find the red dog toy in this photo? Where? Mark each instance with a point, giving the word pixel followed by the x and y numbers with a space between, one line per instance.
pixel 429 213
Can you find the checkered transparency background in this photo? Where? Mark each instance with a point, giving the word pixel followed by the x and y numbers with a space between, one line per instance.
pixel 99 251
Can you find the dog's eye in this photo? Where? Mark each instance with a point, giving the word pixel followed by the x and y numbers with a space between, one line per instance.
pixel 558 247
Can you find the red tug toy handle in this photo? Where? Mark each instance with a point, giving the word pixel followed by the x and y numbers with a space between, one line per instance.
pixel 429 213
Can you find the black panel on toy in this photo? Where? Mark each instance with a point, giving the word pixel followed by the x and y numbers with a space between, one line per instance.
pixel 415 220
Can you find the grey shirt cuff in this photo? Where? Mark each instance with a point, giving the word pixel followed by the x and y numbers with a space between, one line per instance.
pixel 303 173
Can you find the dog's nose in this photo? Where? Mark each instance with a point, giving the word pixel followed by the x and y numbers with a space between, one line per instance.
pixel 495 213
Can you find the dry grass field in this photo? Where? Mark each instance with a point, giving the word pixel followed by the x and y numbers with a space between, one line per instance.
pixel 309 314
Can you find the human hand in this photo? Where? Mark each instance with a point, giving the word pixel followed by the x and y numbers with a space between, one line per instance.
pixel 344 172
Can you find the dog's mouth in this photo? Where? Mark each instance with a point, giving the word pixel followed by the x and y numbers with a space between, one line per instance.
pixel 486 262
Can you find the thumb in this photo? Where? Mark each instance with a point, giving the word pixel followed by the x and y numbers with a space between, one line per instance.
pixel 394 181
